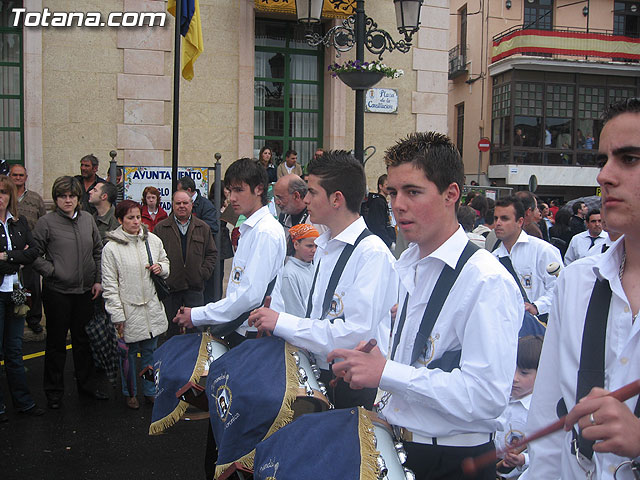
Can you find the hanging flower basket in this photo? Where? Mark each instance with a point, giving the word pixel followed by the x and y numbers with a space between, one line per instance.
pixel 363 75
pixel 360 80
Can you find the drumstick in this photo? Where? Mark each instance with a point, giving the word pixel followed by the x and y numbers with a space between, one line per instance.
pixel 267 304
pixel 182 329
pixel 366 349
pixel 471 466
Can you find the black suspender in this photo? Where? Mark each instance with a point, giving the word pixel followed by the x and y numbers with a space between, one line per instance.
pixel 591 369
pixel 592 356
pixel 335 276
pixel 226 328
pixel 441 290
pixel 506 261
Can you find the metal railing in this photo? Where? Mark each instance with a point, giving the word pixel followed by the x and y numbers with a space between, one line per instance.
pixel 457 61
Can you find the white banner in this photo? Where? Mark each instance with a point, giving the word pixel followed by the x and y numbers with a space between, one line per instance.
pixel 137 178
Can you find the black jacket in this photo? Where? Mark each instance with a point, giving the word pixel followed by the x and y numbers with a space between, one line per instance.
pixel 20 237
pixel 203 209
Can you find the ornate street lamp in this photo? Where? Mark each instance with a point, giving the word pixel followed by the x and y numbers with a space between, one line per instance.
pixel 408 17
pixel 361 31
pixel 309 11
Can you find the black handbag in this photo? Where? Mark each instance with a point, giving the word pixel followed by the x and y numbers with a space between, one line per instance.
pixel 162 289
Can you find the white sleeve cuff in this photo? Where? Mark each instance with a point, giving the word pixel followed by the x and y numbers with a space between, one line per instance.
pixel 198 316
pixel 395 377
pixel 286 326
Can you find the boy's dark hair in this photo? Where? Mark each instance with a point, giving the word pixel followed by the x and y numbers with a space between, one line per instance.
pixel 124 207
pixel 434 154
pixel 595 211
pixel 529 349
pixel 382 178
pixel 187 183
pixel 250 172
pixel 511 200
pixel 111 190
pixel 630 105
pixel 339 171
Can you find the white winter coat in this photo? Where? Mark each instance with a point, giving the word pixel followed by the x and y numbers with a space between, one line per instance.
pixel 129 293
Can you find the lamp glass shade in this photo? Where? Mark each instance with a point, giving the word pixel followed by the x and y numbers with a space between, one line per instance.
pixel 408 15
pixel 309 11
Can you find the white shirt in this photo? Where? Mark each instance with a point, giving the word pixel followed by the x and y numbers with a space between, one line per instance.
pixel 580 246
pixel 530 257
pixel 9 279
pixel 482 316
pixel 513 423
pixel 293 286
pixel 363 297
pixel 551 457
pixel 259 258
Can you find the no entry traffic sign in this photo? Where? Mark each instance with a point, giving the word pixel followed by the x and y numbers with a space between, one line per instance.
pixel 484 145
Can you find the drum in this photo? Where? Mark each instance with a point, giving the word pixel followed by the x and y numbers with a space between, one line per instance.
pixel 194 393
pixel 392 455
pixel 215 349
pixel 312 394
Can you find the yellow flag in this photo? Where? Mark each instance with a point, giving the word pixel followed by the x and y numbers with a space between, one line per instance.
pixel 192 44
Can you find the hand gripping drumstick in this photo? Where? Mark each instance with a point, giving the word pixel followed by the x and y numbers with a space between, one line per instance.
pixel 470 466
pixel 267 304
pixel 366 349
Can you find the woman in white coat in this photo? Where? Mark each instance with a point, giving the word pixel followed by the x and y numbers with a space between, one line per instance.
pixel 129 293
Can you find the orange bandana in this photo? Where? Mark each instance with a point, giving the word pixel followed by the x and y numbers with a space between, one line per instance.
pixel 303 230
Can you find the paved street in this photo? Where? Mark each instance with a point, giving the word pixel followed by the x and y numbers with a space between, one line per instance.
pixel 88 439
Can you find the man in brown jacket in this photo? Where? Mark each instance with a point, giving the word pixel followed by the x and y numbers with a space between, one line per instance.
pixel 192 253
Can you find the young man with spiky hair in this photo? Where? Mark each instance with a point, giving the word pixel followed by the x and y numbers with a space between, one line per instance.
pixel 452 357
pixel 592 345
pixel 354 285
pixel 256 263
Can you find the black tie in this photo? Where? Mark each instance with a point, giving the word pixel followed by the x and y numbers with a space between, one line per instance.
pixel 593 241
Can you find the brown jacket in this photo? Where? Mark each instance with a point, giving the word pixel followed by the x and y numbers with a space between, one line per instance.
pixel 69 252
pixel 190 273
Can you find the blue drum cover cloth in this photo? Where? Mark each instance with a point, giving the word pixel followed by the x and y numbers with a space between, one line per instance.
pixel 319 446
pixel 179 360
pixel 251 390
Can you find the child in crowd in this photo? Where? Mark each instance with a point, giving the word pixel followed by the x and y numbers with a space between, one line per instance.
pixel 514 418
pixel 297 274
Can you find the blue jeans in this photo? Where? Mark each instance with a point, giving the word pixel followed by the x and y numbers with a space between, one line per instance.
pixel 11 331
pixel 146 349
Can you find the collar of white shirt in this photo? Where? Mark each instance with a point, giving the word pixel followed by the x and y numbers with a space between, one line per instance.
pixel 525 401
pixel 608 265
pixel 501 251
pixel 448 253
pixel 348 235
pixel 253 220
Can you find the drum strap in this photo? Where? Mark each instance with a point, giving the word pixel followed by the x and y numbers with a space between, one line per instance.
pixel 335 276
pixel 226 328
pixel 506 262
pixel 441 290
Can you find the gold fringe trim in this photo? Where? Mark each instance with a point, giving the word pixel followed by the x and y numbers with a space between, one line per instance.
pixel 368 454
pixel 161 425
pixel 285 415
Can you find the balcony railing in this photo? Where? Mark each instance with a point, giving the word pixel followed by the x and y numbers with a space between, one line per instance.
pixel 597 45
pixel 457 61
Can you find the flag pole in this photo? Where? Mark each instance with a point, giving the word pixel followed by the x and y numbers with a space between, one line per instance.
pixel 176 99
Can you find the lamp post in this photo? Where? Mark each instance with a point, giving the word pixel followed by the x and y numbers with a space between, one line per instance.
pixel 361 31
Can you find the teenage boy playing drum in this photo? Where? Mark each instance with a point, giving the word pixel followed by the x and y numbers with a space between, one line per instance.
pixel 450 369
